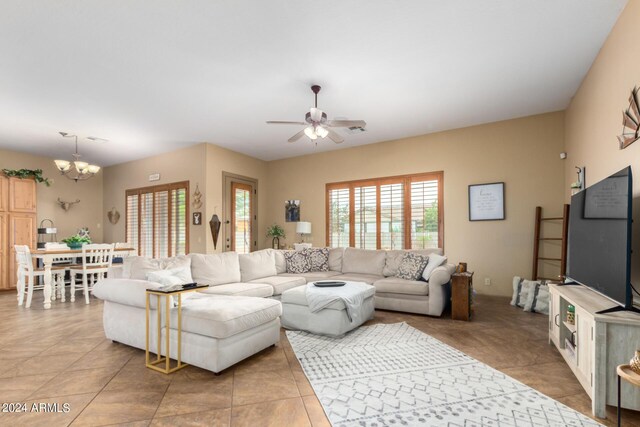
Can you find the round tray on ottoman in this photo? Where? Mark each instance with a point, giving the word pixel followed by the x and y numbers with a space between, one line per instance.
pixel 332 320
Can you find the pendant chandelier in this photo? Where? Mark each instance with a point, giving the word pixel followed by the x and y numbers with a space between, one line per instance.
pixel 76 170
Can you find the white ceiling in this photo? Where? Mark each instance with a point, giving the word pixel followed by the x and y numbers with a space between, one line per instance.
pixel 155 75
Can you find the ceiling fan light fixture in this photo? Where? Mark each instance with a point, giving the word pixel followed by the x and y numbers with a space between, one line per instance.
pixel 311 133
pixel 321 132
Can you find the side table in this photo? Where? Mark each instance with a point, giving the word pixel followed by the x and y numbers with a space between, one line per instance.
pixel 625 373
pixel 461 295
pixel 166 293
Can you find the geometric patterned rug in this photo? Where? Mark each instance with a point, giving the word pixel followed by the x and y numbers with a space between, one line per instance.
pixel 396 375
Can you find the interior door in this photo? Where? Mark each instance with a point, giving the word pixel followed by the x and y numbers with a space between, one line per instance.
pixel 242 217
pixel 22 231
pixel 4 245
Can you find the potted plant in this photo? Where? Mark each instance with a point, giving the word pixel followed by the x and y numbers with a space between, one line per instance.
pixel 76 242
pixel 276 232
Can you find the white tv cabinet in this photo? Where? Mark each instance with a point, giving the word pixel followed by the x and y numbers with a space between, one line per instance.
pixel 602 342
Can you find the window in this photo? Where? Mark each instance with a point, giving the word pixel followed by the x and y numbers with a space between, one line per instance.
pixel 386 213
pixel 156 223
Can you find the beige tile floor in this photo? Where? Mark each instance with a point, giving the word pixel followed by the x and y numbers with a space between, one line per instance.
pixel 61 356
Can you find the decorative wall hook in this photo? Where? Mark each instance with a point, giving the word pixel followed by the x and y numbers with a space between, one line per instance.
pixel 67 205
pixel 197 198
pixel 113 215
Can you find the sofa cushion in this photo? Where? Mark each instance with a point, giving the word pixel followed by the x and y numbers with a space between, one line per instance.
pixel 215 269
pixel 312 276
pixel 221 316
pixel 257 264
pixel 369 279
pixel 363 261
pixel 172 276
pixel 393 259
pixel 246 289
pixel 281 262
pixel 401 286
pixel 130 292
pixel 281 283
pixel 335 259
pixel 412 266
pixel 137 267
pixel 435 261
pixel 318 258
pixel 297 262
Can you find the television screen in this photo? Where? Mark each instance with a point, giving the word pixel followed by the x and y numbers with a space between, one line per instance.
pixel 599 241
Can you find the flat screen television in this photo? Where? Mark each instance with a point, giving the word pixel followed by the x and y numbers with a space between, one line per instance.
pixel 599 241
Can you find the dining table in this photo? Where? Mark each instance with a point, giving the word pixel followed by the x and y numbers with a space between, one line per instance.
pixel 48 256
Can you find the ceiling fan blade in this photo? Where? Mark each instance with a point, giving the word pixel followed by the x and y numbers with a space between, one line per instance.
pixel 316 114
pixel 284 122
pixel 346 123
pixel 297 136
pixel 335 137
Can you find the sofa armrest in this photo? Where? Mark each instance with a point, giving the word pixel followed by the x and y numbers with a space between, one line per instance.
pixel 441 275
pixel 127 292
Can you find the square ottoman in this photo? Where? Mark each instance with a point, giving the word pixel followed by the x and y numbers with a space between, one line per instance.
pixel 332 320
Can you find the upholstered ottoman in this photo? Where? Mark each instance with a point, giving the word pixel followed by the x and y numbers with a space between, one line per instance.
pixel 332 320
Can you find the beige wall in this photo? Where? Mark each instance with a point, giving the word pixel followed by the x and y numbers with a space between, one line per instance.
pixel 594 117
pixel 221 160
pixel 187 164
pixel 524 153
pixel 87 213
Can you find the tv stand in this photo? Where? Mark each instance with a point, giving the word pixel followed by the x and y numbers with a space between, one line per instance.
pixel 598 341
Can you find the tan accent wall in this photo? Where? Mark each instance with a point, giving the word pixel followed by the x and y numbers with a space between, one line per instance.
pixel 594 117
pixel 221 160
pixel 524 153
pixel 87 213
pixel 187 164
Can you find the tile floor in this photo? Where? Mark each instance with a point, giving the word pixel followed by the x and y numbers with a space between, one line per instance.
pixel 61 356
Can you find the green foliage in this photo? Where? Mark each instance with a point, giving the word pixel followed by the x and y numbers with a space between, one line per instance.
pixel 26 173
pixel 275 231
pixel 76 240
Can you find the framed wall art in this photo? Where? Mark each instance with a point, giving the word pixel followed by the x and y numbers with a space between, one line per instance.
pixel 486 202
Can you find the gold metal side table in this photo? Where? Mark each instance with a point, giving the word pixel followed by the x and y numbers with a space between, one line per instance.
pixel 626 373
pixel 166 293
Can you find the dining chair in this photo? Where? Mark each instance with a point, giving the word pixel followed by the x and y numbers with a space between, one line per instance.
pixel 96 260
pixel 27 275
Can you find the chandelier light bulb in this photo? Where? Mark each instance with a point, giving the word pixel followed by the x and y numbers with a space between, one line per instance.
pixel 311 133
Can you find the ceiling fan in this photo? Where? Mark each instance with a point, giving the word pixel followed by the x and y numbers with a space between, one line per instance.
pixel 318 125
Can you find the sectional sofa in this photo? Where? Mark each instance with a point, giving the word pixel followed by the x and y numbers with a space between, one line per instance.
pixel 238 314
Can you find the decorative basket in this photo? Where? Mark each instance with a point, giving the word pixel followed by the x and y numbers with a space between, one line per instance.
pixel 635 363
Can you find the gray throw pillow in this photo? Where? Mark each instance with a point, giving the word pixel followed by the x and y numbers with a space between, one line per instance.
pixel 412 266
pixel 318 258
pixel 297 262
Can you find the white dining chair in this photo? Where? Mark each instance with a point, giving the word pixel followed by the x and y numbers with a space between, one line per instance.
pixel 96 260
pixel 27 275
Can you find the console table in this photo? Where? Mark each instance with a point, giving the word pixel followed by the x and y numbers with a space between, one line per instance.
pixel 595 344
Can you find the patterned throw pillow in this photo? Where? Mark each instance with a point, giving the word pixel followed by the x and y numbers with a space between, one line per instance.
pixel 318 258
pixel 297 262
pixel 412 266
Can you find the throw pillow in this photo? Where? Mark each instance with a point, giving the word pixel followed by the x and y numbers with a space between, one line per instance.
pixel 538 298
pixel 297 262
pixel 138 267
pixel 435 261
pixel 521 289
pixel 318 258
pixel 165 277
pixel 412 266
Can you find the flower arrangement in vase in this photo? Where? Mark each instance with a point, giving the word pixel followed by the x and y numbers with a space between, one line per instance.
pixel 276 232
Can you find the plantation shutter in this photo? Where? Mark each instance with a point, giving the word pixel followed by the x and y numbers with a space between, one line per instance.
pixel 424 214
pixel 338 227
pixel 365 225
pixel 157 220
pixel 392 216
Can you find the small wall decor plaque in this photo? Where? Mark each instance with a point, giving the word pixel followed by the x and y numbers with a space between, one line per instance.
pixel 486 202
pixel 197 218
pixel 630 121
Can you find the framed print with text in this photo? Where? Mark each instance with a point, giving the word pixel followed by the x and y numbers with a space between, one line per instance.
pixel 486 202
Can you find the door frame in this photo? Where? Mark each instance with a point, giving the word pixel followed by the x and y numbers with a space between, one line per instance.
pixel 227 179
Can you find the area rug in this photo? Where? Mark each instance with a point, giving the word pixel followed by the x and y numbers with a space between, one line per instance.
pixel 396 375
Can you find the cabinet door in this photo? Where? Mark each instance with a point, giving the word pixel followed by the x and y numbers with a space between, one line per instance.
pixel 555 317
pixel 22 231
pixel 4 255
pixel 22 195
pixel 584 344
pixel 4 194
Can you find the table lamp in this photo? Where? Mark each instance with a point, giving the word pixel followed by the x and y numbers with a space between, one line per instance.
pixel 303 228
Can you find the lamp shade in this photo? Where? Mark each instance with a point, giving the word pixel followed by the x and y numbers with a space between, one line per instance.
pixel 303 227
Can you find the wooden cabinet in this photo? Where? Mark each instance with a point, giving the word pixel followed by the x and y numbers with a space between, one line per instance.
pixel 17 224
pixel 22 195
pixel 595 344
pixel 461 295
